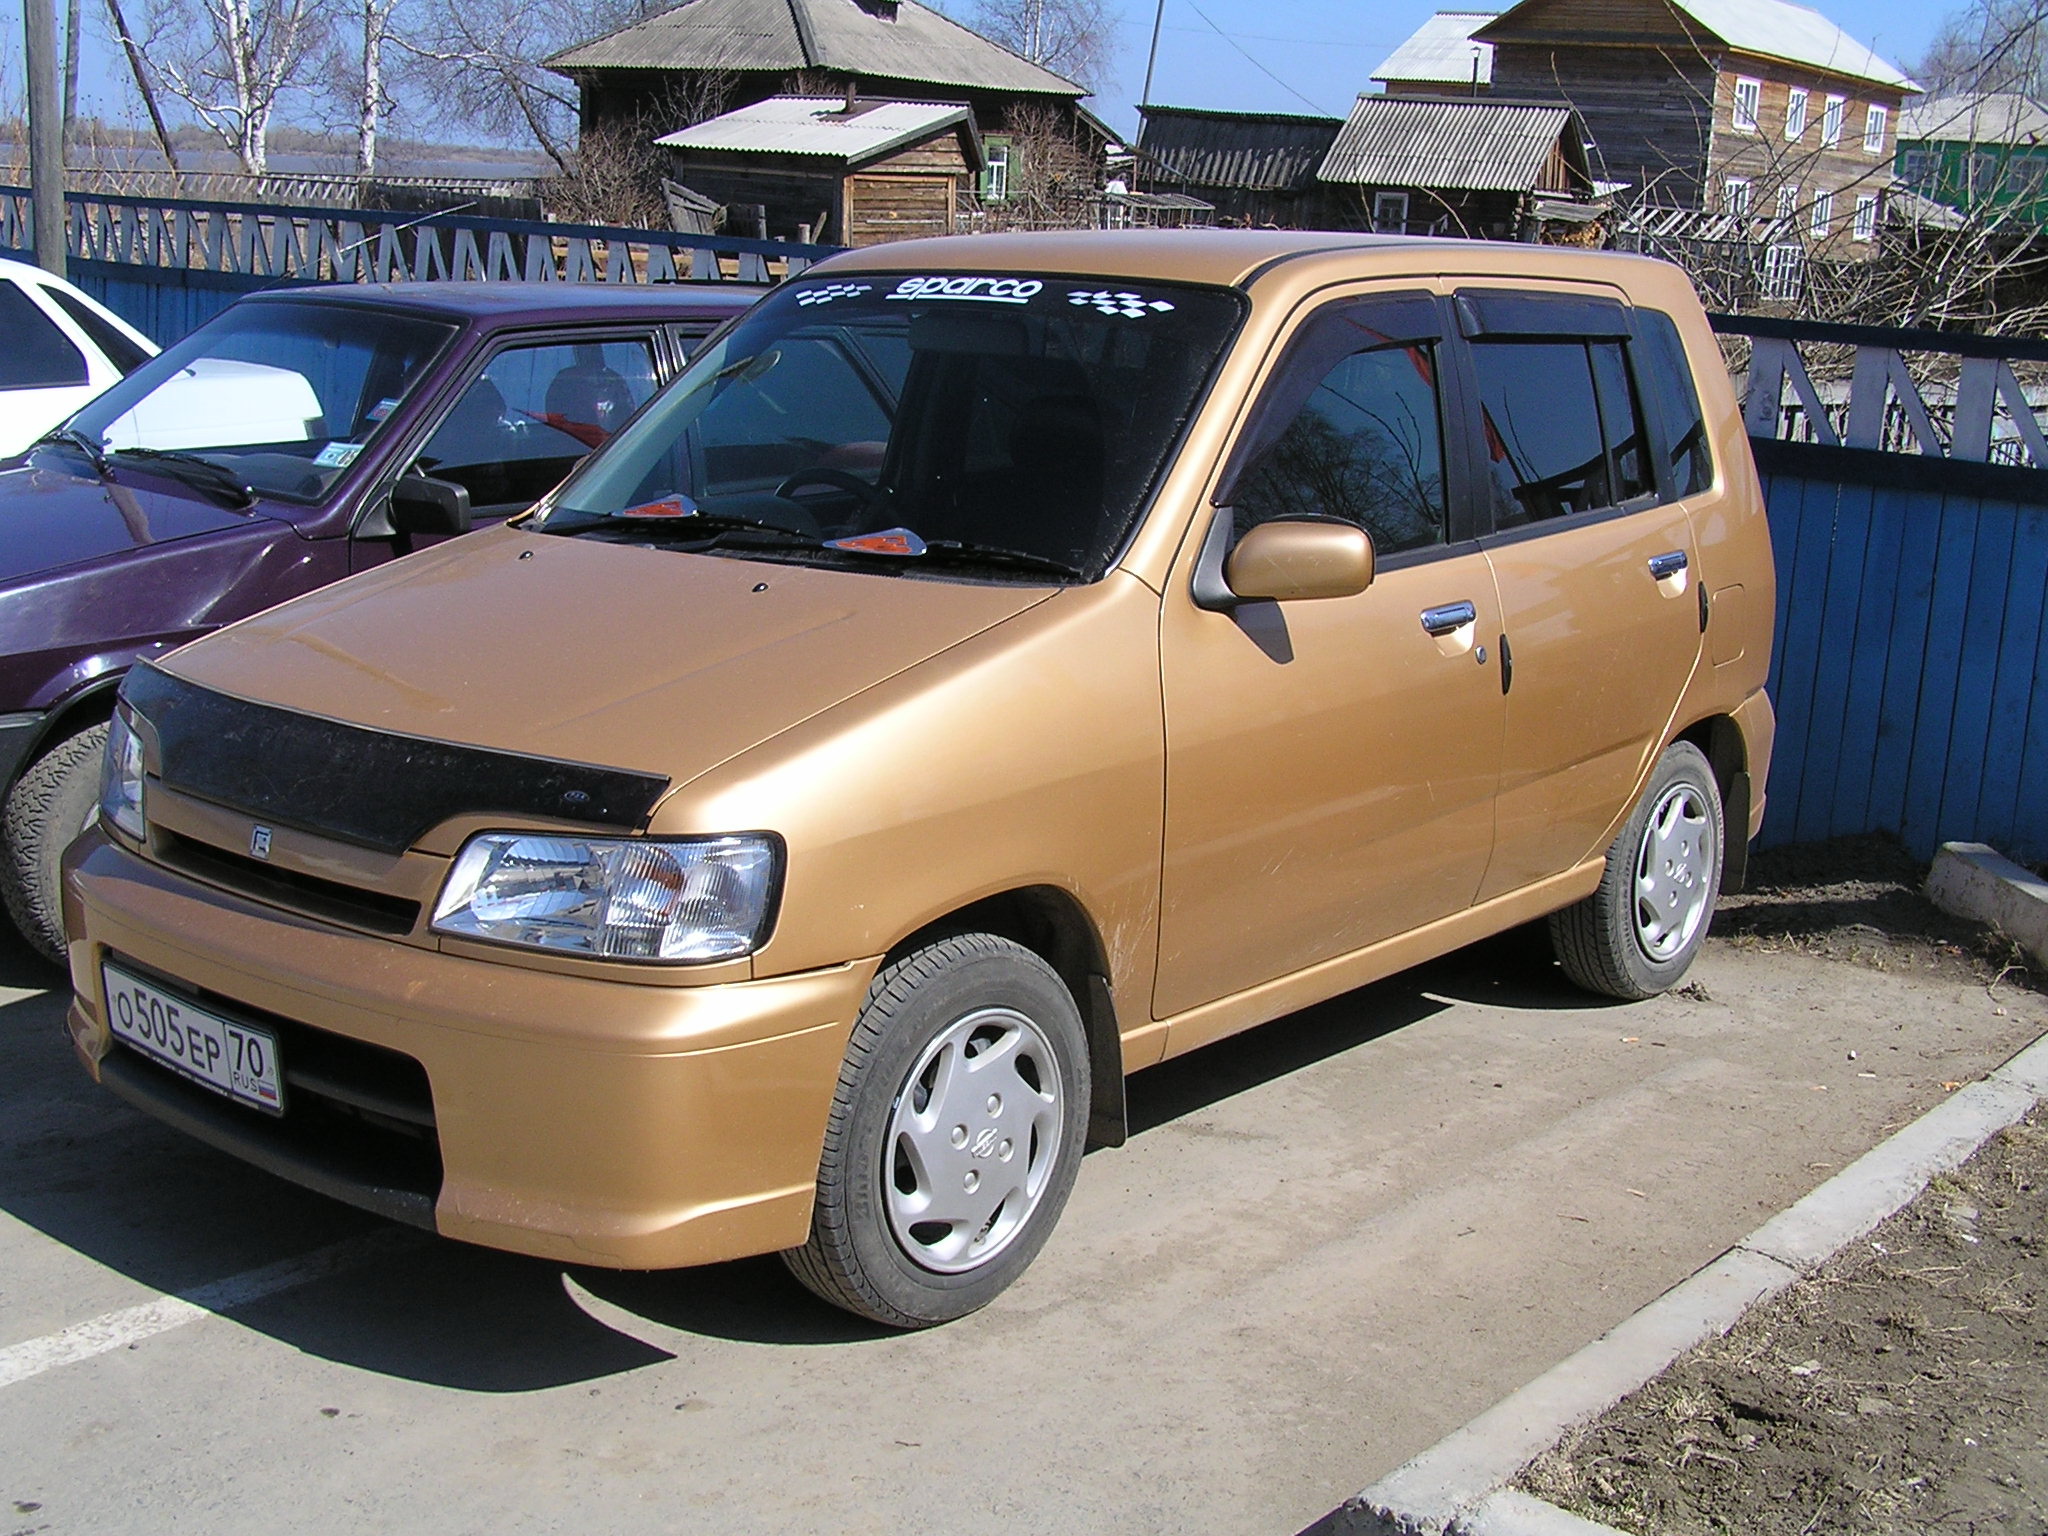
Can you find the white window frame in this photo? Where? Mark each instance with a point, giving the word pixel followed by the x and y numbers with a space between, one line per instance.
pixel 1864 226
pixel 1788 202
pixel 1874 120
pixel 1386 200
pixel 1747 103
pixel 1735 196
pixel 1831 116
pixel 1785 273
pixel 1795 113
pixel 995 172
pixel 1820 222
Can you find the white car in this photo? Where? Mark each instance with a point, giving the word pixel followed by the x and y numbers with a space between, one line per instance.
pixel 61 349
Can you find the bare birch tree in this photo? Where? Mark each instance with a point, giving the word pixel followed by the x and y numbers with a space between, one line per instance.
pixel 233 62
pixel 1074 38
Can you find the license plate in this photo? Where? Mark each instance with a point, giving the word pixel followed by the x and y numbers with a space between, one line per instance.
pixel 229 1057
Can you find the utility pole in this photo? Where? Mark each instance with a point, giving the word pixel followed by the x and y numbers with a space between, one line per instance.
pixel 1151 58
pixel 45 133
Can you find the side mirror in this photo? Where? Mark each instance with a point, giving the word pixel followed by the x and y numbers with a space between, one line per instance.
pixel 423 505
pixel 1292 561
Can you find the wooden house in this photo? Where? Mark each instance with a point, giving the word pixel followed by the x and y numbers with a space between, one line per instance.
pixel 1750 107
pixel 1439 166
pixel 1254 168
pixel 847 171
pixel 1986 156
pixel 704 57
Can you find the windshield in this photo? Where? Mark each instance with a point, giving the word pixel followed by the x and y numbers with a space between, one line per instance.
pixel 1018 421
pixel 282 397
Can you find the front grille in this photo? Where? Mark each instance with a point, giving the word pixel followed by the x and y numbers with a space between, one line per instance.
pixel 358 1121
pixel 329 899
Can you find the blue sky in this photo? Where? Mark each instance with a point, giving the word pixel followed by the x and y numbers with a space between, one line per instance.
pixel 1247 55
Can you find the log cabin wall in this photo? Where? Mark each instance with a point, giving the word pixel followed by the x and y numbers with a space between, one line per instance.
pixel 1647 110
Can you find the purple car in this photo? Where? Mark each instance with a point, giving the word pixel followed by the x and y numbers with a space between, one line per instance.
pixel 297 437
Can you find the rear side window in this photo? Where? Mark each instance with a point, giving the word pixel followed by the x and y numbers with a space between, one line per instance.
pixel 1667 378
pixel 115 344
pixel 37 355
pixel 1563 433
pixel 1366 446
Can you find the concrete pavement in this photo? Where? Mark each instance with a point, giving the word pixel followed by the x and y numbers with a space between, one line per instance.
pixel 1329 1243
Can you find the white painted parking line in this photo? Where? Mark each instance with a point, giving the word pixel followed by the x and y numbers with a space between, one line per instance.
pixel 131 1325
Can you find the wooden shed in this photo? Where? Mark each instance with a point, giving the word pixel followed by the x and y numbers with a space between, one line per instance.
pixel 848 171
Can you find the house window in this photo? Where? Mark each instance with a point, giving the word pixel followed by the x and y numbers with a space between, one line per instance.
pixel 1865 226
pixel 1823 219
pixel 2026 177
pixel 1873 130
pixel 995 175
pixel 1788 202
pixel 1795 113
pixel 1983 173
pixel 1390 213
pixel 1735 196
pixel 1749 95
pixel 1919 169
pixel 1831 121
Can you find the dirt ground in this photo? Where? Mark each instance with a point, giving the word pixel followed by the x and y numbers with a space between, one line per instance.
pixel 1904 1387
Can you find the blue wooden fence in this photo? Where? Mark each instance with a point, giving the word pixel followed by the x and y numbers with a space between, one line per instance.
pixel 1912 622
pixel 167 264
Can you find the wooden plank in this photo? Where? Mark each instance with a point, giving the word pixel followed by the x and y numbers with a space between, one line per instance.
pixel 1976 674
pixel 1839 599
pixel 1912 605
pixel 1940 672
pixel 1801 596
pixel 2013 804
pixel 1870 649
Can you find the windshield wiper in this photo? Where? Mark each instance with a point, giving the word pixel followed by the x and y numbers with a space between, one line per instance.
pixel 994 554
pixel 215 478
pixel 79 438
pixel 689 528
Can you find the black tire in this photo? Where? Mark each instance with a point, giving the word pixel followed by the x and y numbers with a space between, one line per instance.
pixel 854 1258
pixel 48 807
pixel 1607 943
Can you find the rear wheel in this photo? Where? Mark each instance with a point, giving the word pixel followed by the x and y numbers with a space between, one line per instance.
pixel 1637 934
pixel 48 807
pixel 954 1137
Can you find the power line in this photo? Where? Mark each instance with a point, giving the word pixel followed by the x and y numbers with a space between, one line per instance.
pixel 1255 64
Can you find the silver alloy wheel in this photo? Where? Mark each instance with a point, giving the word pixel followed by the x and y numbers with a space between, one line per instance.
pixel 974 1136
pixel 1671 873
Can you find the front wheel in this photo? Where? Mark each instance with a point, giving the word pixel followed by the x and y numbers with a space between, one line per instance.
pixel 46 809
pixel 1637 934
pixel 955 1134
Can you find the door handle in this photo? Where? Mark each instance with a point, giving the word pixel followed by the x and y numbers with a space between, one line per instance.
pixel 1668 564
pixel 1450 616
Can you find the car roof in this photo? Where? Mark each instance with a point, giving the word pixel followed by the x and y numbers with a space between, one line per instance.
pixel 500 304
pixel 1225 257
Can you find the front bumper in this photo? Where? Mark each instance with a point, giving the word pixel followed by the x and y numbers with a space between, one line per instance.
pixel 579 1119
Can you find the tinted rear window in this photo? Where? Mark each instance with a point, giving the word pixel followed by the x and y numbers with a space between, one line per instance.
pixel 1667 377
pixel 37 355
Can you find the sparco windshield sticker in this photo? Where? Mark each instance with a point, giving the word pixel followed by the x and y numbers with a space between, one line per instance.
pixel 982 290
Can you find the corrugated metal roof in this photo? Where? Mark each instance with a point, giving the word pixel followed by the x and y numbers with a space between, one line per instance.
pixel 907 42
pixel 820 125
pixel 1465 146
pixel 1441 49
pixel 1251 151
pixel 1772 29
pixel 1996 117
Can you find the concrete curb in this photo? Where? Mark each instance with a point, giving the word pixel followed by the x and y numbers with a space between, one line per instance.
pixel 1458 1486
pixel 1975 880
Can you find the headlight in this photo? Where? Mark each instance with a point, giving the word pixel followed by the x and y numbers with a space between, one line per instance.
pixel 121 780
pixel 692 899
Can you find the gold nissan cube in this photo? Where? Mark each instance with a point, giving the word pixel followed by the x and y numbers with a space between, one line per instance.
pixel 994 666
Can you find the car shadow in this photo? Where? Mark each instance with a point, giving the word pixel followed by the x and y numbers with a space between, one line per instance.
pixel 130 1194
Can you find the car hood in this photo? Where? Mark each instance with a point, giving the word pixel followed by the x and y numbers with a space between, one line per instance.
pixel 51 518
pixel 626 656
